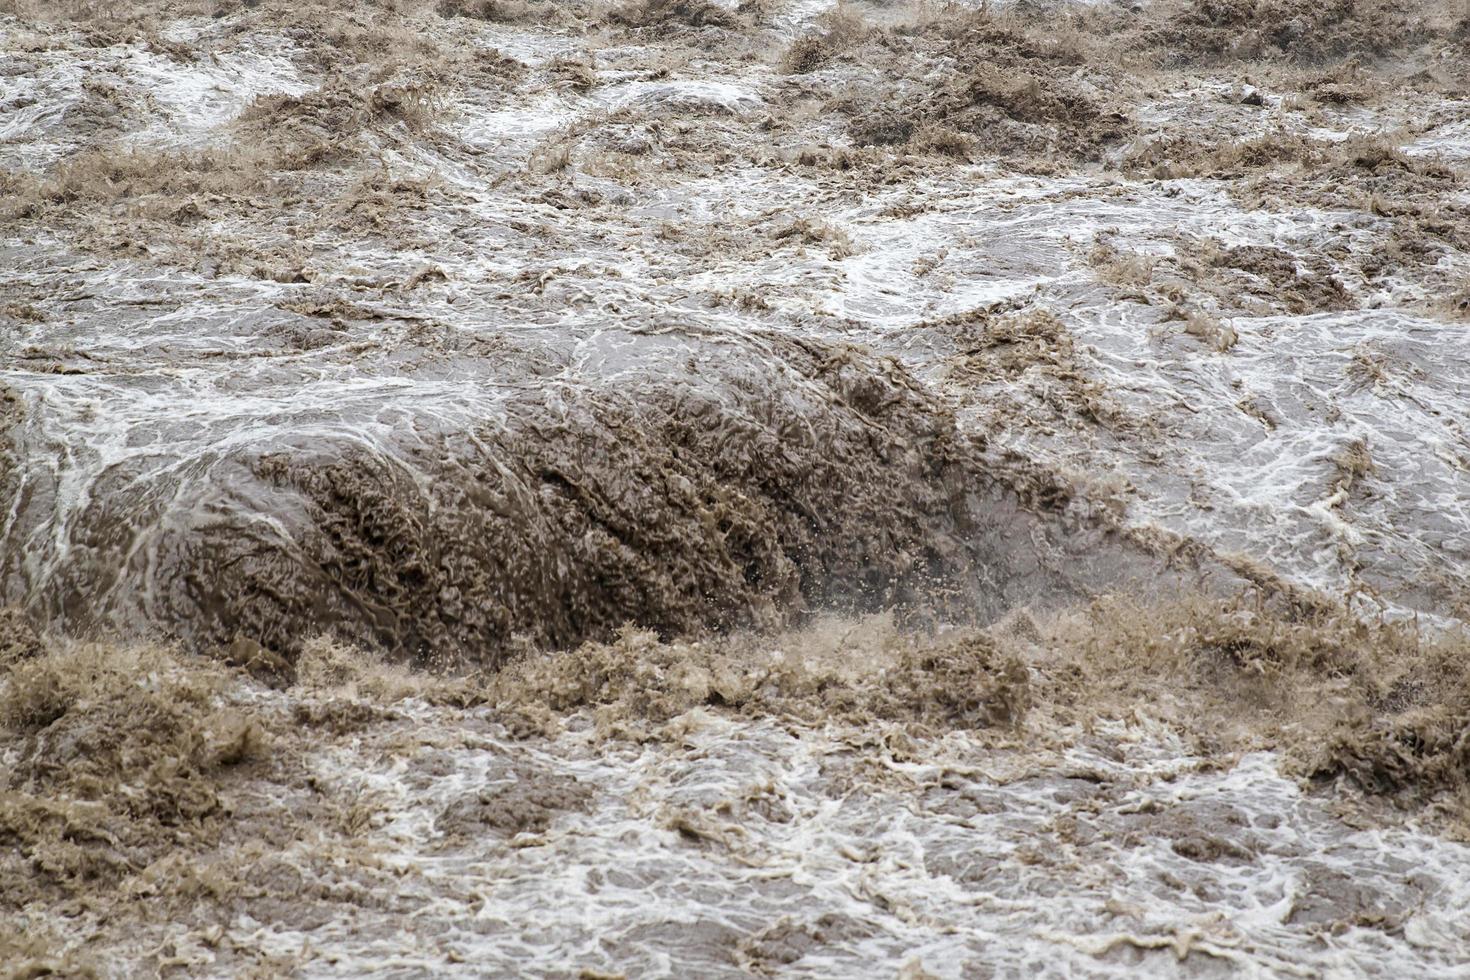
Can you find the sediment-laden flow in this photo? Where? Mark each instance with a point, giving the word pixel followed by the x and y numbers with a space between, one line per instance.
pixel 440 495
pixel 643 364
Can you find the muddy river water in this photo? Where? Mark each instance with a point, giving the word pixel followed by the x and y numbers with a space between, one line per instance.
pixel 464 332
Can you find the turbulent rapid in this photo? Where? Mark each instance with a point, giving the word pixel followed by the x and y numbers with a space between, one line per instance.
pixel 675 488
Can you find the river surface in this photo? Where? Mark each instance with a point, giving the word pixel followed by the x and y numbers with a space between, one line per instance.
pixel 456 337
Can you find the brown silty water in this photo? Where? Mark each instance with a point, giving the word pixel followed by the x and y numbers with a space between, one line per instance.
pixel 818 368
